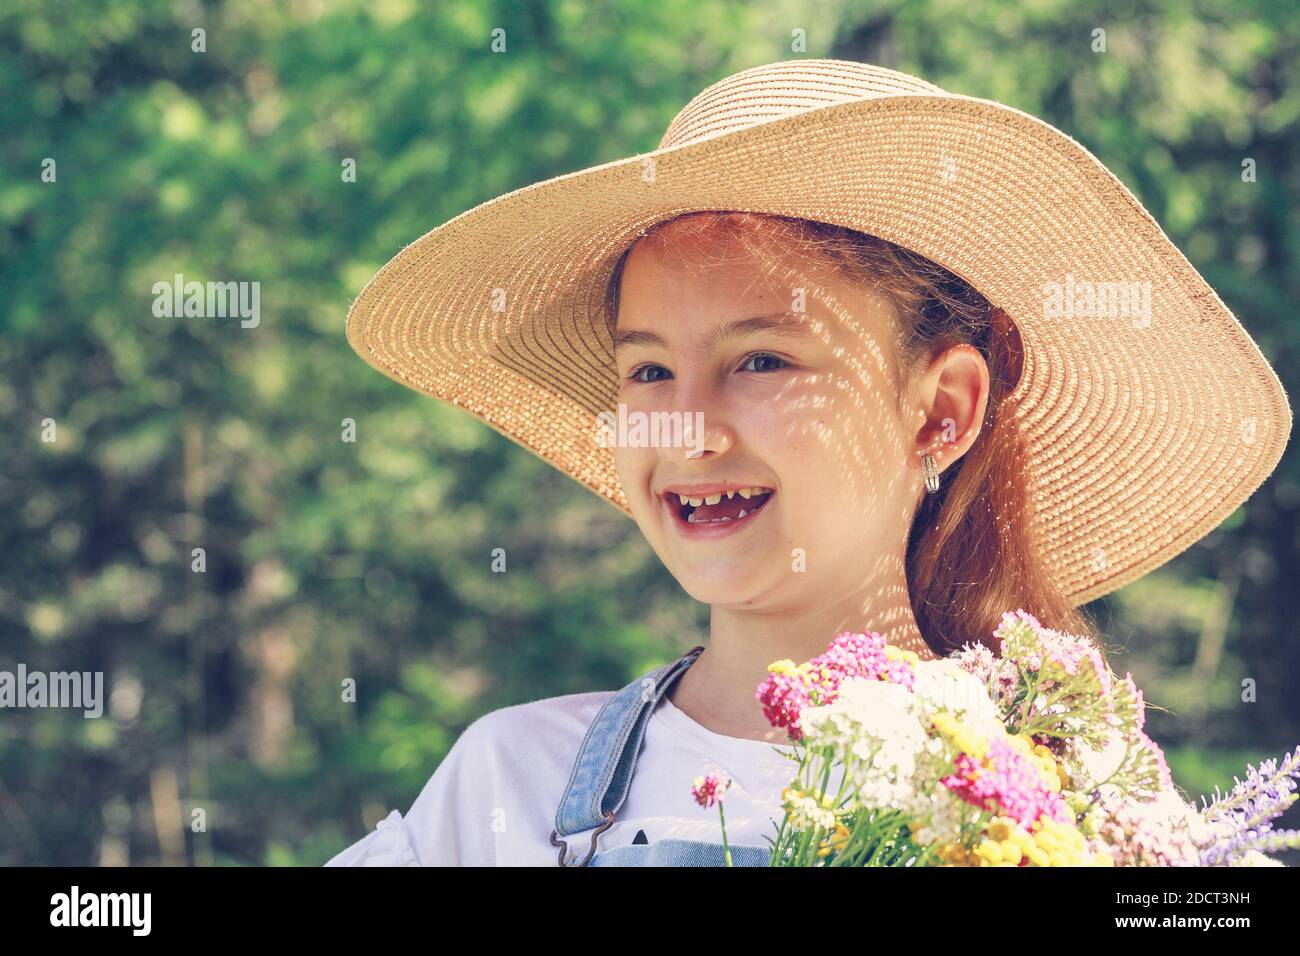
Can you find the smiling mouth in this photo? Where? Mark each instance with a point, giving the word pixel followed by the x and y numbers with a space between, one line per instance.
pixel 725 511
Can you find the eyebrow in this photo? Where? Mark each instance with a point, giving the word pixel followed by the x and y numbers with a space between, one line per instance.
pixel 732 330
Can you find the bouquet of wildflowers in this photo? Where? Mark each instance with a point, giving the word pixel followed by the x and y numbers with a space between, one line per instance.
pixel 1035 757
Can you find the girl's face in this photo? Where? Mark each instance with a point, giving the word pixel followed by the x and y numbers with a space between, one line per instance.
pixel 800 402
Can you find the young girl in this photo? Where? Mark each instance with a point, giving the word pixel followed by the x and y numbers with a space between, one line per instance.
pixel 882 447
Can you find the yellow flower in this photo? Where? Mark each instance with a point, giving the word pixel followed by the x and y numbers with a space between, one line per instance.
pixel 989 852
pixel 783 666
pixel 1024 840
pixel 834 843
pixel 1059 772
pixel 893 653
pixel 1052 843
pixel 943 721
pixel 954 854
pixel 967 740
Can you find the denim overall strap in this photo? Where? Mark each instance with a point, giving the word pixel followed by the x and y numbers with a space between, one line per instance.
pixel 602 772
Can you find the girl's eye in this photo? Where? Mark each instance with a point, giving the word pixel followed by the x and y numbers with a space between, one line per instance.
pixel 765 355
pixel 642 368
pixel 633 376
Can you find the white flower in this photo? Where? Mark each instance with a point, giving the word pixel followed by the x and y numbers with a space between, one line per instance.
pixel 942 685
pixel 864 695
pixel 1099 765
pixel 943 813
pixel 1169 806
pixel 807 814
pixel 876 725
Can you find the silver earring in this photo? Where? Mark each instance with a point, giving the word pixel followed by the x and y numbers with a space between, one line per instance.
pixel 931 474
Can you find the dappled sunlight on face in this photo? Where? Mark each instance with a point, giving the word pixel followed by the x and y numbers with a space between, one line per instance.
pixel 813 416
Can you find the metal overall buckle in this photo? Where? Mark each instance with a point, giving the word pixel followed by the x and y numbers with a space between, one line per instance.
pixel 564 847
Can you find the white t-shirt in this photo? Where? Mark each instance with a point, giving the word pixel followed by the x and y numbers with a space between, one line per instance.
pixel 492 800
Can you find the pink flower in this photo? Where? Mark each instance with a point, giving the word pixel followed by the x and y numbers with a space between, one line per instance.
pixel 785 693
pixel 976 659
pixel 1139 707
pixel 784 696
pixel 708 790
pixel 1070 652
pixel 1007 783
pixel 1032 661
pixel 1157 757
pixel 1144 834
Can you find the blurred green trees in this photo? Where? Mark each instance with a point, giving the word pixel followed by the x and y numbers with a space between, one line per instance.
pixel 328 560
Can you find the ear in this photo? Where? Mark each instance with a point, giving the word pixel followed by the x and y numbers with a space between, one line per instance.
pixel 950 398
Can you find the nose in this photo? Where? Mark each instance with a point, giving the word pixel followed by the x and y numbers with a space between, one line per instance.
pixel 707 432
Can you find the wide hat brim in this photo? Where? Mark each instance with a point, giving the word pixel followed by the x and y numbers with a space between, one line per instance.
pixel 1142 432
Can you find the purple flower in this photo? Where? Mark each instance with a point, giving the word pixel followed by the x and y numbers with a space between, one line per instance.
pixel 1243 820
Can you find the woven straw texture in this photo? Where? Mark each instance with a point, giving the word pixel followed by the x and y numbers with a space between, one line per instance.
pixel 1141 436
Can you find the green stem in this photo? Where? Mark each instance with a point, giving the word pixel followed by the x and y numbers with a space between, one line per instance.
pixel 725 847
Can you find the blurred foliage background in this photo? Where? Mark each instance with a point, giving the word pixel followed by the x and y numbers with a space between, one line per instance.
pixel 328 560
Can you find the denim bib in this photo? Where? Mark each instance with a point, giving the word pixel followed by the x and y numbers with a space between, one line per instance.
pixel 602 774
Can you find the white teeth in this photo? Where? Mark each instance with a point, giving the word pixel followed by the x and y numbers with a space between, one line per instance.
pixel 691 519
pixel 713 499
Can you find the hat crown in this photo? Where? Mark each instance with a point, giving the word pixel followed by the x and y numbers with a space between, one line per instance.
pixel 765 93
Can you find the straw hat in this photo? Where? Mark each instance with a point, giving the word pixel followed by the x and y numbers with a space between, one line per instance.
pixel 1145 428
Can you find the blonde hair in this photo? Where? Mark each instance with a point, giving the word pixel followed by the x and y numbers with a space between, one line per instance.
pixel 969 555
